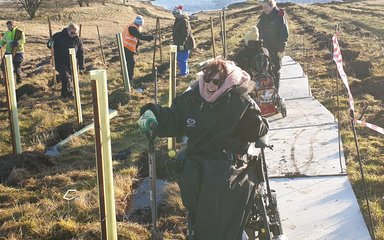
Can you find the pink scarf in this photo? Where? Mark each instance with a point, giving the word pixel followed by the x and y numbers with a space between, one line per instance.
pixel 236 76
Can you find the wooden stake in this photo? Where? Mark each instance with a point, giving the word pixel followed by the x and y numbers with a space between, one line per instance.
pixel 12 104
pixel 155 45
pixel 52 54
pixel 100 79
pixel 213 39
pixel 101 45
pixel 172 88
pixel 160 43
pixel 75 79
pixel 80 30
pixel 156 88
pixel 222 32
pixel 99 160
pixel 123 63
pixel 225 34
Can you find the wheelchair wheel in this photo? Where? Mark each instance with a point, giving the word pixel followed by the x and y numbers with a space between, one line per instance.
pixel 265 232
pixel 274 216
pixel 282 107
pixel 284 111
pixel 257 227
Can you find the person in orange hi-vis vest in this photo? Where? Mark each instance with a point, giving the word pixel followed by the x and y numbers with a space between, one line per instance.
pixel 131 37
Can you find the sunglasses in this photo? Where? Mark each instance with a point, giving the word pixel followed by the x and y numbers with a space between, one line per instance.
pixel 74 33
pixel 217 82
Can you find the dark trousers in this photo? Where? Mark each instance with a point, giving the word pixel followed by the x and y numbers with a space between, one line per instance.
pixel 130 58
pixel 65 77
pixel 276 61
pixel 218 197
pixel 16 60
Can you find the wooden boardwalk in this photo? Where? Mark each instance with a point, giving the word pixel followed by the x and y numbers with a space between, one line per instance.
pixel 314 195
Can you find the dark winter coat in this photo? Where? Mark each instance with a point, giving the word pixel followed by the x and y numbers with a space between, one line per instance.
pixel 61 46
pixel 229 123
pixel 182 33
pixel 254 59
pixel 216 190
pixel 273 30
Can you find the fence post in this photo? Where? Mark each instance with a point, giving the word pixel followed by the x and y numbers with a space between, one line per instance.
pixel 160 43
pixel 76 89
pixel 12 104
pixel 101 45
pixel 172 89
pixel 156 87
pixel 304 53
pixel 104 152
pixel 222 32
pixel 213 39
pixel 225 34
pixel 52 53
pixel 80 27
pixel 123 63
pixel 155 45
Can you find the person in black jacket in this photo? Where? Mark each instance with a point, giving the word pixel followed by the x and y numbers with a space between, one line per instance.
pixel 220 120
pixel 273 29
pixel 253 57
pixel 61 43
pixel 183 38
pixel 131 37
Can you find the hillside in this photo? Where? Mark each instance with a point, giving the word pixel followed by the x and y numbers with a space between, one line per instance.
pixel 31 195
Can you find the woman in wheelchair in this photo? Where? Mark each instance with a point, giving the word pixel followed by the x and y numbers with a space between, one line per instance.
pixel 220 120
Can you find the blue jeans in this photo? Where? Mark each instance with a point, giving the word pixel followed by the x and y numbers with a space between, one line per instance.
pixel 182 60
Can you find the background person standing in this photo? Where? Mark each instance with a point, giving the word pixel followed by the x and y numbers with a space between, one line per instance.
pixel 14 40
pixel 183 38
pixel 131 37
pixel 61 43
pixel 273 29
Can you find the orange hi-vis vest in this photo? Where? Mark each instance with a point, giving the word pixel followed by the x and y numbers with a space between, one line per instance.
pixel 130 42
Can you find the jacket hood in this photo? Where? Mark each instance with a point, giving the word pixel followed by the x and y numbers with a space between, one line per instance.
pixel 237 79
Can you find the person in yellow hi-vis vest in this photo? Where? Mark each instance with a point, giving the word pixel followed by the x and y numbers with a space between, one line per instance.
pixel 13 40
pixel 131 38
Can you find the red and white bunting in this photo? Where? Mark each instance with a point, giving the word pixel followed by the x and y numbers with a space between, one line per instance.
pixel 371 126
pixel 337 57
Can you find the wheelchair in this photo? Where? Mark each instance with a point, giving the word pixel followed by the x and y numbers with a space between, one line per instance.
pixel 264 221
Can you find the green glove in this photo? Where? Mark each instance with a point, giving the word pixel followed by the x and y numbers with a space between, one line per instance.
pixel 147 120
pixel 50 43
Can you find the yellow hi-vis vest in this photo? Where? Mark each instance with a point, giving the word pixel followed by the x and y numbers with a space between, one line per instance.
pixel 130 42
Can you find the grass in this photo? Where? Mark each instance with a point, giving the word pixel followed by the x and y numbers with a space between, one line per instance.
pixel 32 204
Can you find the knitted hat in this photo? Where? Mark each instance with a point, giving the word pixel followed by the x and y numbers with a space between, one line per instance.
pixel 139 20
pixel 251 35
pixel 177 10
